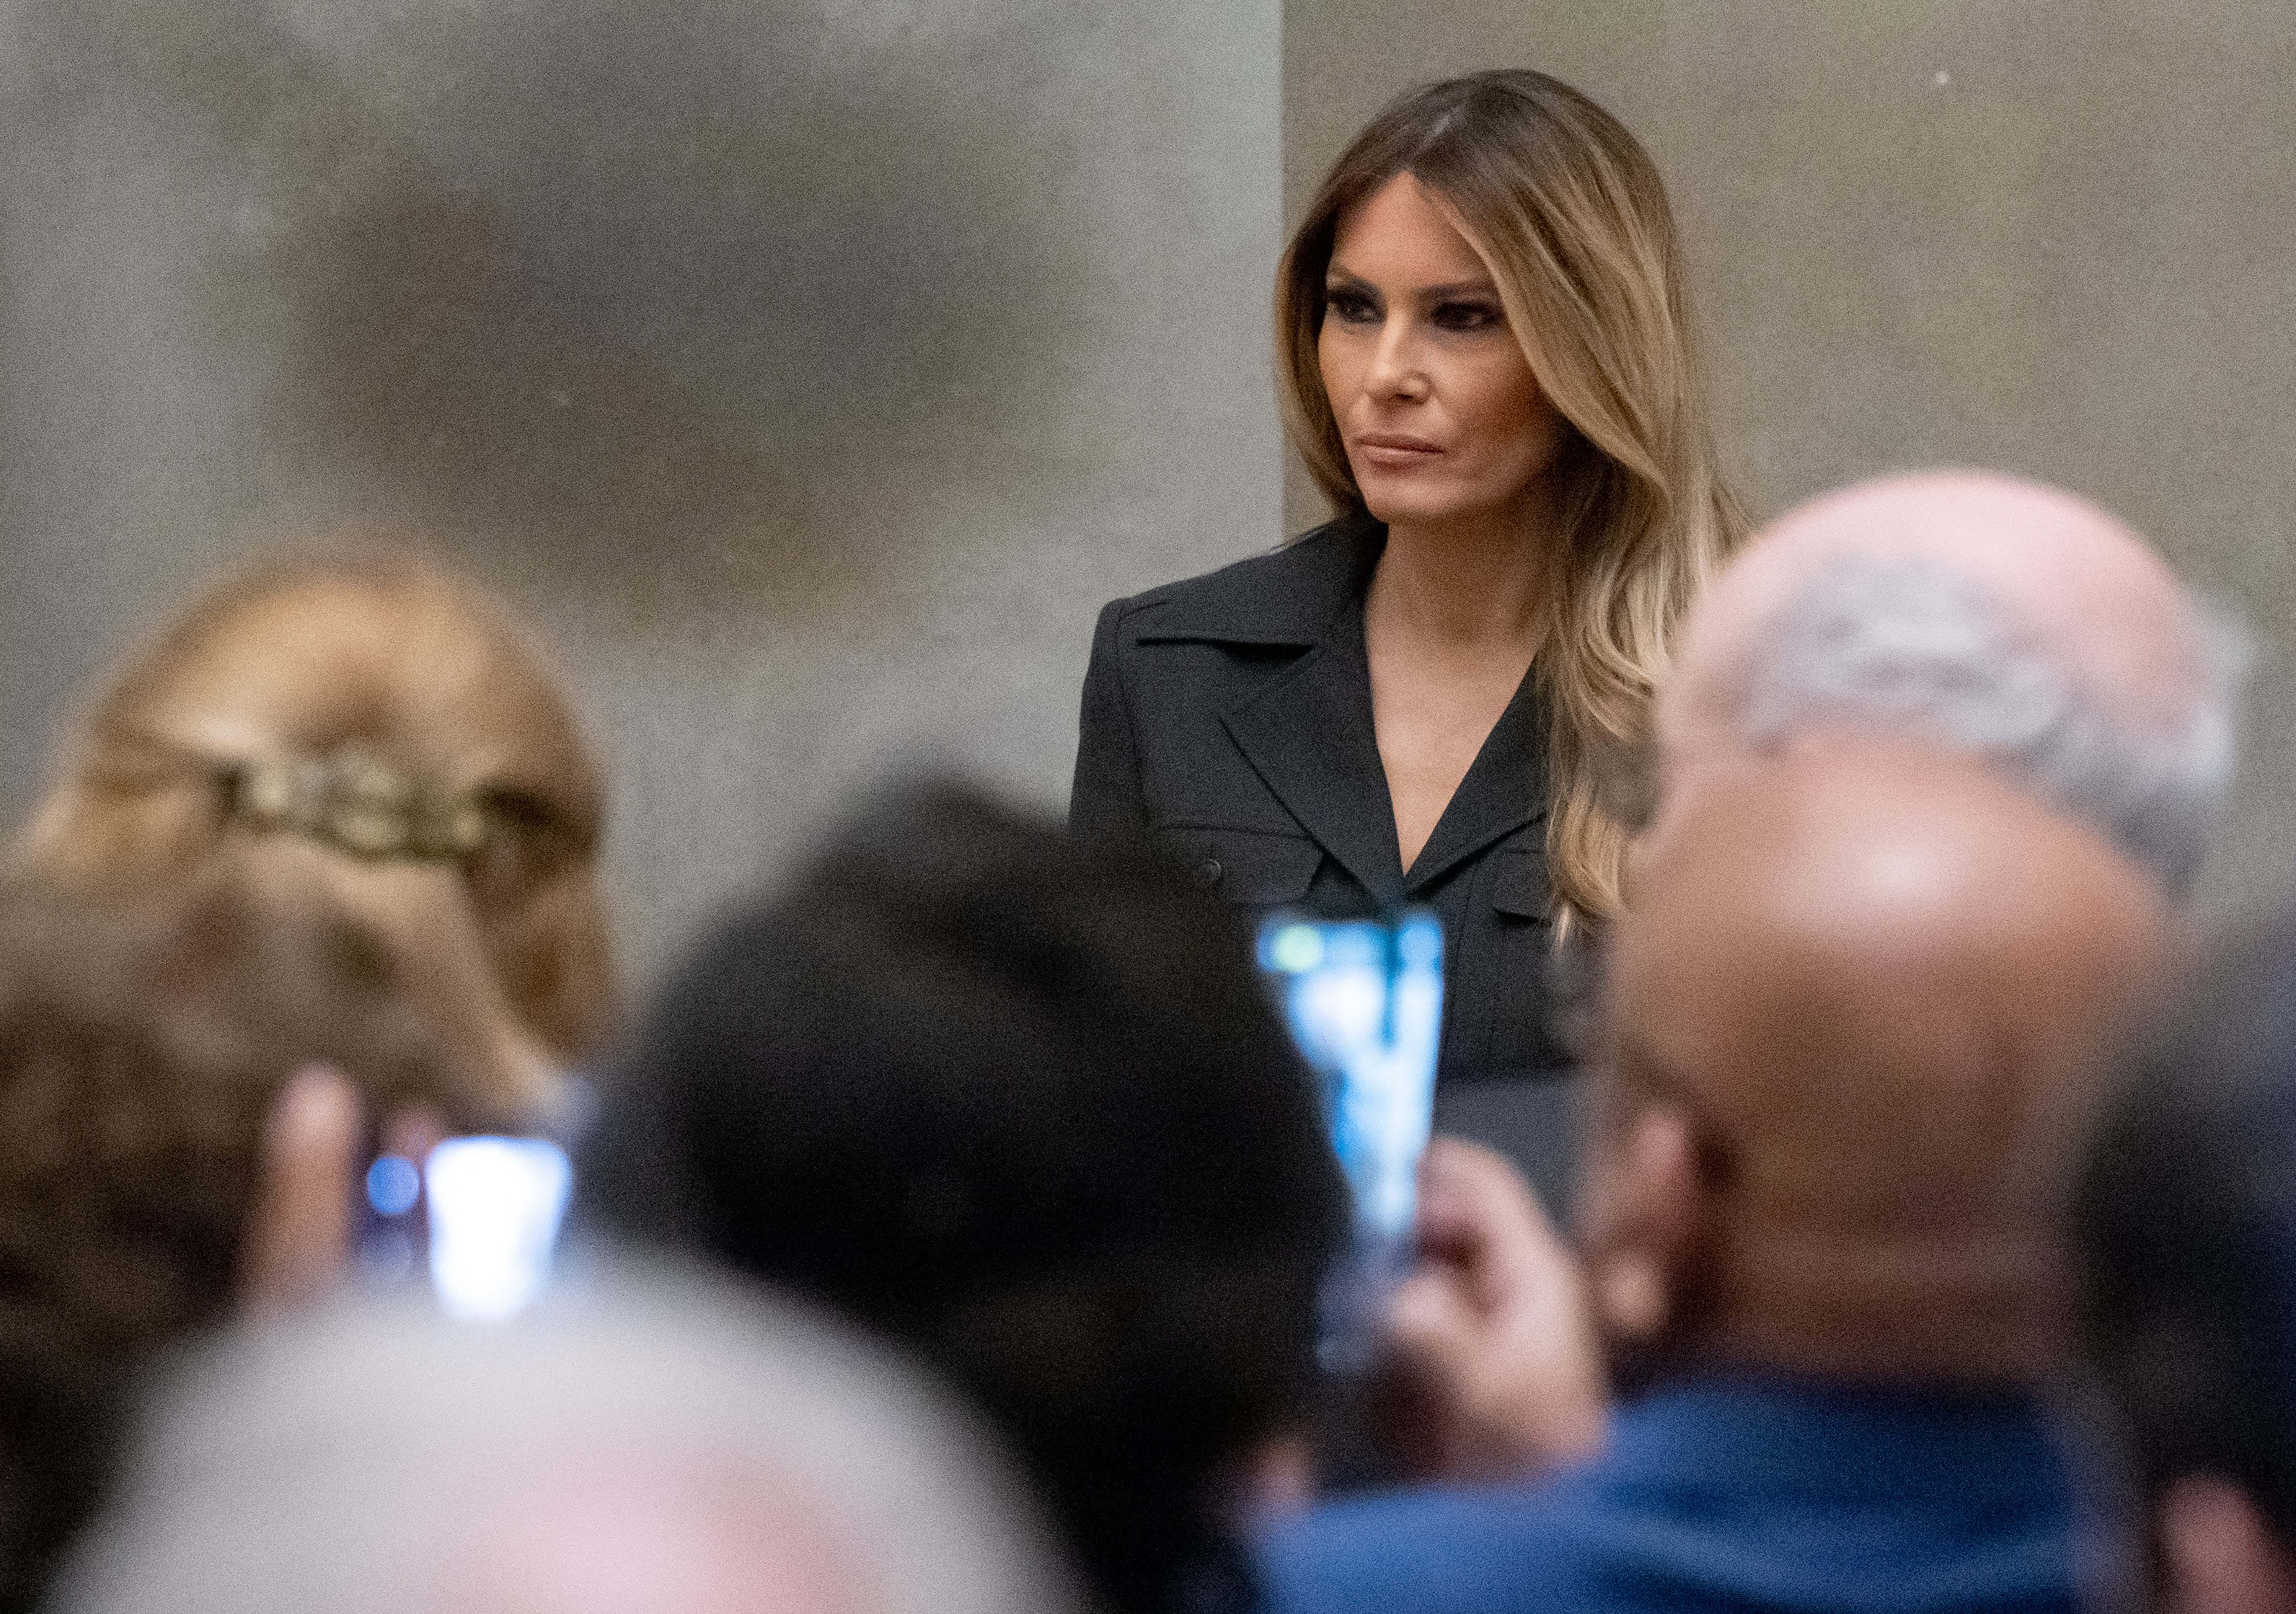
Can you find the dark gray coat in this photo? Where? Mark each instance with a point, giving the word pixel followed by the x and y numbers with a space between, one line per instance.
pixel 1231 716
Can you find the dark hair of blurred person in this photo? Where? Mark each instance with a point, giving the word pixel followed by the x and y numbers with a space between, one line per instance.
pixel 2186 1212
pixel 374 720
pixel 1022 1105
pixel 144 1037
pixel 656 1447
pixel 1845 1014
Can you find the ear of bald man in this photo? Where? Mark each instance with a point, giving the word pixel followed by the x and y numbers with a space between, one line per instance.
pixel 1640 1212
pixel 1846 1012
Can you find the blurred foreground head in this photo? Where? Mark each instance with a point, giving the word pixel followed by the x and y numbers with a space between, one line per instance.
pixel 1983 614
pixel 655 1450
pixel 144 1038
pixel 2186 1213
pixel 1022 1105
pixel 1844 1013
pixel 374 732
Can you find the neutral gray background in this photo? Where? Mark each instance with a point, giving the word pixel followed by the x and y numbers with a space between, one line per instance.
pixel 808 373
pixel 2055 237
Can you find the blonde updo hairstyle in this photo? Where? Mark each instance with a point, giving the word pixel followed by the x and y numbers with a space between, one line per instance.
pixel 371 736
pixel 1569 214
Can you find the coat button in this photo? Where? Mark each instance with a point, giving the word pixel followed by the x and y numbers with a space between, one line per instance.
pixel 1208 873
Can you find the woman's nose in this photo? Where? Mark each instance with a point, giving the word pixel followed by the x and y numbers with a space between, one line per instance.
pixel 1395 371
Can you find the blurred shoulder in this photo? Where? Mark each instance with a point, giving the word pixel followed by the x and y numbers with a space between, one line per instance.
pixel 1283 596
pixel 1427 1551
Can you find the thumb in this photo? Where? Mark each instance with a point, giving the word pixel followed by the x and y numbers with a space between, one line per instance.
pixel 1431 1318
pixel 297 1242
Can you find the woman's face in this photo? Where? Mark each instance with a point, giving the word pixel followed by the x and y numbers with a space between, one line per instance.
pixel 1442 418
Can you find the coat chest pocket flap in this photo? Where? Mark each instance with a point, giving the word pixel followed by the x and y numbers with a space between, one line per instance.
pixel 1254 868
pixel 1519 885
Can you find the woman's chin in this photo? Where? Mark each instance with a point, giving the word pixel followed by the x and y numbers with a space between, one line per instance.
pixel 1409 506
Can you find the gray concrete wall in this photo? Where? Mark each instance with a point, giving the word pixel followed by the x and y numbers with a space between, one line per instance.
pixel 2053 237
pixel 806 371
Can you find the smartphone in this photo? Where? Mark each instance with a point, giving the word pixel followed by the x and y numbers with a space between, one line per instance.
pixel 478 1218
pixel 1365 1003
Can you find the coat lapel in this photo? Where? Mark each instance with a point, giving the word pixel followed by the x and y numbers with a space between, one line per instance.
pixel 1307 733
pixel 1289 597
pixel 1309 736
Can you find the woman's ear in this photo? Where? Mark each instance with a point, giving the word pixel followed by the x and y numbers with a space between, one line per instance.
pixel 1640 1216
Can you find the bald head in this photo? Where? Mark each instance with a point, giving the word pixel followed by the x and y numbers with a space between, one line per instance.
pixel 655 1444
pixel 1995 617
pixel 1860 983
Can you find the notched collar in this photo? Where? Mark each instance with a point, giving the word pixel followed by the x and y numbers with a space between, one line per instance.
pixel 1308 733
pixel 1289 596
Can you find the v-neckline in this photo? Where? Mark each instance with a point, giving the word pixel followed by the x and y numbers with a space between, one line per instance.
pixel 1310 734
pixel 1504 787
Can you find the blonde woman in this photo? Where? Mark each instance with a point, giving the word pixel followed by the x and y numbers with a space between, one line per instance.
pixel 373 737
pixel 331 836
pixel 1486 355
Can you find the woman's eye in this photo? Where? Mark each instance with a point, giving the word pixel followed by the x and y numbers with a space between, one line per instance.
pixel 1350 308
pixel 1467 316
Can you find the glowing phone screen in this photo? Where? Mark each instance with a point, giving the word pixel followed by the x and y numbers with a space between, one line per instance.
pixel 495 1203
pixel 1365 1003
pixel 487 1211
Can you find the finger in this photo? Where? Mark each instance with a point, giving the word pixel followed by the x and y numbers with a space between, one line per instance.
pixel 1494 1326
pixel 1430 1316
pixel 1448 1211
pixel 1473 1180
pixel 297 1238
pixel 1483 1216
pixel 1278 1480
pixel 1442 1363
pixel 413 1132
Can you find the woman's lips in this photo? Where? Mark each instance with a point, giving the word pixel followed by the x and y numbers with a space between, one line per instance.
pixel 1393 451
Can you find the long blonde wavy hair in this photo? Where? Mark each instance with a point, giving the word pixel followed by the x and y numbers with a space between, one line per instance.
pixel 1569 214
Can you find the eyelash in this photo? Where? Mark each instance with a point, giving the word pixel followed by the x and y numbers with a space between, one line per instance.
pixel 1351 308
pixel 1467 316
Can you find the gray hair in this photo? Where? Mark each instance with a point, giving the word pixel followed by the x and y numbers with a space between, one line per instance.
pixel 385 1459
pixel 1906 644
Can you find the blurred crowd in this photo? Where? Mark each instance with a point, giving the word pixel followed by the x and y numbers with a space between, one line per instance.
pixel 947 1232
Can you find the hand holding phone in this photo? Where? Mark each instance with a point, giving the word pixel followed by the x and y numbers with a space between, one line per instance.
pixel 1497 1368
pixel 479 1216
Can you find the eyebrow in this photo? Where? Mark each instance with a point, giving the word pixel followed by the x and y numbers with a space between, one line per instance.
pixel 1480 287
